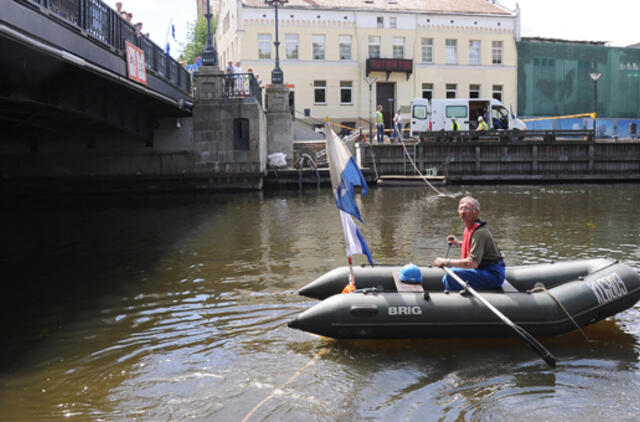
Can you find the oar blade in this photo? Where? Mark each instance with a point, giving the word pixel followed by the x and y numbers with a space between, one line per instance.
pixel 537 347
pixel 531 341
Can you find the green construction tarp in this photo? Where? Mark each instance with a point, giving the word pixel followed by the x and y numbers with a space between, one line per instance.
pixel 553 79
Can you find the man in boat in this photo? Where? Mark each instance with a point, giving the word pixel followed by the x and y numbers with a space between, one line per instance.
pixel 481 263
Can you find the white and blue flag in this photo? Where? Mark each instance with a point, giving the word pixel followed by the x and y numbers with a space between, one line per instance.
pixel 353 238
pixel 345 174
pixel 167 42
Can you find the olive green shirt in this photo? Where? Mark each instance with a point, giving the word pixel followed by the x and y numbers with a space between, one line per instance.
pixel 484 250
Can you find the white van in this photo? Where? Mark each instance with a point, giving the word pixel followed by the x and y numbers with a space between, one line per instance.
pixel 436 115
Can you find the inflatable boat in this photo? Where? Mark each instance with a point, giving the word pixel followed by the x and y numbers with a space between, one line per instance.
pixel 544 299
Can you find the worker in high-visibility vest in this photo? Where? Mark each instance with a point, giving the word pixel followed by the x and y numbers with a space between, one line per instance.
pixel 482 125
pixel 380 124
pixel 455 126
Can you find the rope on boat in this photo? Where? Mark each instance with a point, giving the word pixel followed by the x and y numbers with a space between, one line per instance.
pixel 541 288
pixel 289 381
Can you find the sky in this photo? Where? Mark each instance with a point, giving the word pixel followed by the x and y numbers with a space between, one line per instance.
pixel 612 21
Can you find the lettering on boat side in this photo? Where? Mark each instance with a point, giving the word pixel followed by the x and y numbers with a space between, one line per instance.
pixel 608 289
pixel 405 310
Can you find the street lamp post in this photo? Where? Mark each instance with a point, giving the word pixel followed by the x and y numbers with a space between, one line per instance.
pixel 209 54
pixel 277 76
pixel 370 81
pixel 595 77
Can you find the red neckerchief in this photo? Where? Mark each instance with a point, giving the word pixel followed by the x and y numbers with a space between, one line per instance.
pixel 466 239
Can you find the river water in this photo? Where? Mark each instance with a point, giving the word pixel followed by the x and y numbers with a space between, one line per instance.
pixel 171 308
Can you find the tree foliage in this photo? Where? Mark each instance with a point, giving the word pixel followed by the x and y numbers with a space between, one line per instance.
pixel 197 39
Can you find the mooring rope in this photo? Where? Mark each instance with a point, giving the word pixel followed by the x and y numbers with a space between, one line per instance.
pixel 289 381
pixel 544 289
pixel 417 170
pixel 373 160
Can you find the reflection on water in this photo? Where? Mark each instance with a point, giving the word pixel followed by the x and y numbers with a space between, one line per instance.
pixel 175 307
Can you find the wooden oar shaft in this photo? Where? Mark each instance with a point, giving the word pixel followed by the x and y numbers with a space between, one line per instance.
pixel 535 344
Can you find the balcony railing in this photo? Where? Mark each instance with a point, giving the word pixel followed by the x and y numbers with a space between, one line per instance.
pixel 105 25
pixel 389 65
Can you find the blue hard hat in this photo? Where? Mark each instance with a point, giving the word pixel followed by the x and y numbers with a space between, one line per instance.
pixel 410 273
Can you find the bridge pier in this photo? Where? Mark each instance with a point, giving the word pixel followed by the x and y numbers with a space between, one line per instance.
pixel 229 134
pixel 279 122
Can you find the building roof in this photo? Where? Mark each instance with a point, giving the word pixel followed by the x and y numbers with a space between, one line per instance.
pixel 561 41
pixel 426 6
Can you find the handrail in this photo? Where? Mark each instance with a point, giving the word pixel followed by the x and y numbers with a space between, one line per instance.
pixel 103 24
pixel 241 85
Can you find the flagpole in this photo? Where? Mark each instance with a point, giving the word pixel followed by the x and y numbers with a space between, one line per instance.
pixel 345 174
pixel 351 286
pixel 166 38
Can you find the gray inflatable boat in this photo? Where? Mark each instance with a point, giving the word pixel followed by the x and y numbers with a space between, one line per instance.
pixel 544 299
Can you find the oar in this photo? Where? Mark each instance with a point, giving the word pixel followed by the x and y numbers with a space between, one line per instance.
pixel 533 343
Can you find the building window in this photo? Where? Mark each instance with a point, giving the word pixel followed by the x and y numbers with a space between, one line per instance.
pixel 225 23
pixel 452 90
pixel 393 23
pixel 345 47
pixel 496 52
pixel 374 47
pixel 398 47
pixel 474 91
pixel 380 21
pixel 427 50
pixel 345 92
pixel 451 50
pixel 320 92
pixel 497 92
pixel 318 47
pixel 474 52
pixel 291 45
pixel 264 46
pixel 427 91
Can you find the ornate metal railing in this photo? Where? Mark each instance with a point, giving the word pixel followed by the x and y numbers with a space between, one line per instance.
pixel 241 85
pixel 104 24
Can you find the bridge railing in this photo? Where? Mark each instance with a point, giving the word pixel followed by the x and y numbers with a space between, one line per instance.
pixel 105 25
pixel 241 85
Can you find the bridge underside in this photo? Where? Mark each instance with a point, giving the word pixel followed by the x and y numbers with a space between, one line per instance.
pixel 42 95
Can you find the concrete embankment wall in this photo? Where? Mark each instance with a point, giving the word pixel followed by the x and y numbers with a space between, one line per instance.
pixel 511 162
pixel 100 162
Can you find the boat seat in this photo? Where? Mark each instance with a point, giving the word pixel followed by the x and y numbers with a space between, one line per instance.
pixel 403 287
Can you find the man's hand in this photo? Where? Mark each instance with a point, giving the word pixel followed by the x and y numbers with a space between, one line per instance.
pixel 439 262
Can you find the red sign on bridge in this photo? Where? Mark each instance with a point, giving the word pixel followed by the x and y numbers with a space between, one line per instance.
pixel 135 64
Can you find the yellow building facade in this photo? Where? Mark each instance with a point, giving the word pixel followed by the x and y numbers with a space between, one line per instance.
pixel 341 59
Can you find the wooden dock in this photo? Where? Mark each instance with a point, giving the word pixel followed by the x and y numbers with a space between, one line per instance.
pixel 401 180
pixel 479 162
